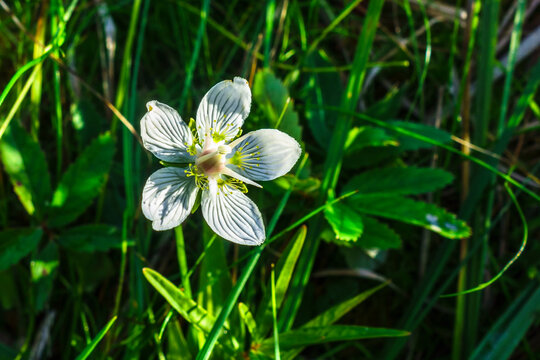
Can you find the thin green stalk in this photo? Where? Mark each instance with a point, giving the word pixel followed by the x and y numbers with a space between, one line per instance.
pixel 194 54
pixel 274 315
pixel 270 11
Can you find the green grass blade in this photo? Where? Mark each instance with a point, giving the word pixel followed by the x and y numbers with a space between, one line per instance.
pixel 90 347
pixel 503 338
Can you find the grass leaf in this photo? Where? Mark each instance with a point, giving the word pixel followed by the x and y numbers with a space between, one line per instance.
pixel 306 336
pixel 90 347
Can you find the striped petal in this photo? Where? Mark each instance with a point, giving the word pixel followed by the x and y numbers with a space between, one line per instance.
pixel 223 110
pixel 233 216
pixel 165 134
pixel 263 154
pixel 168 197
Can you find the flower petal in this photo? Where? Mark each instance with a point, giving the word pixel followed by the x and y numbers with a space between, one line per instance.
pixel 223 109
pixel 263 154
pixel 233 216
pixel 165 134
pixel 168 197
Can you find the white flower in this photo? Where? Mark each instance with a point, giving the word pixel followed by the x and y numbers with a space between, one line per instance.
pixel 215 163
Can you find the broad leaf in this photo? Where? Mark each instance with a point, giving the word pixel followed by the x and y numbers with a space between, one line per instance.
pixel 27 169
pixel 91 238
pixel 324 334
pixel 413 212
pixel 272 97
pixel 82 181
pixel 399 180
pixel 43 268
pixel 346 223
pixel 16 244
pixel 378 235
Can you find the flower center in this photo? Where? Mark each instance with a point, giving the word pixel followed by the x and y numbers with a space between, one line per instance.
pixel 212 161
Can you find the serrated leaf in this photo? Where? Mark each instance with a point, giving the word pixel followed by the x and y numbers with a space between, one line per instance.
pixel 43 268
pixel 377 235
pixel 408 143
pixel 368 136
pixel 16 244
pixel 284 270
pixel 90 238
pixel 413 212
pixel 324 334
pixel 346 223
pixel 27 169
pixel 272 97
pixel 399 180
pixel 82 181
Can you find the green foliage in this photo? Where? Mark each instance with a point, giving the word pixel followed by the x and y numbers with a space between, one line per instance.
pixel 324 334
pixel 90 238
pixel 399 181
pixel 92 345
pixel 383 107
pixel 82 182
pixel 347 223
pixel 25 163
pixel 16 244
pixel 273 98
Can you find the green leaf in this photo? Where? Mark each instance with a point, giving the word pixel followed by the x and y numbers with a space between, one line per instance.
pixel 16 244
pixel 409 143
pixel 399 180
pixel 321 89
pixel 346 223
pixel 378 235
pixel 505 335
pixel 284 270
pixel 368 136
pixel 335 313
pixel 389 106
pixel 249 321
pixel 90 238
pixel 27 169
pixel 308 185
pixel 324 334
pixel 413 212
pixel 43 269
pixel 90 347
pixel 82 181
pixel 272 97
pixel 7 353
pixel 177 344
pixel 178 299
